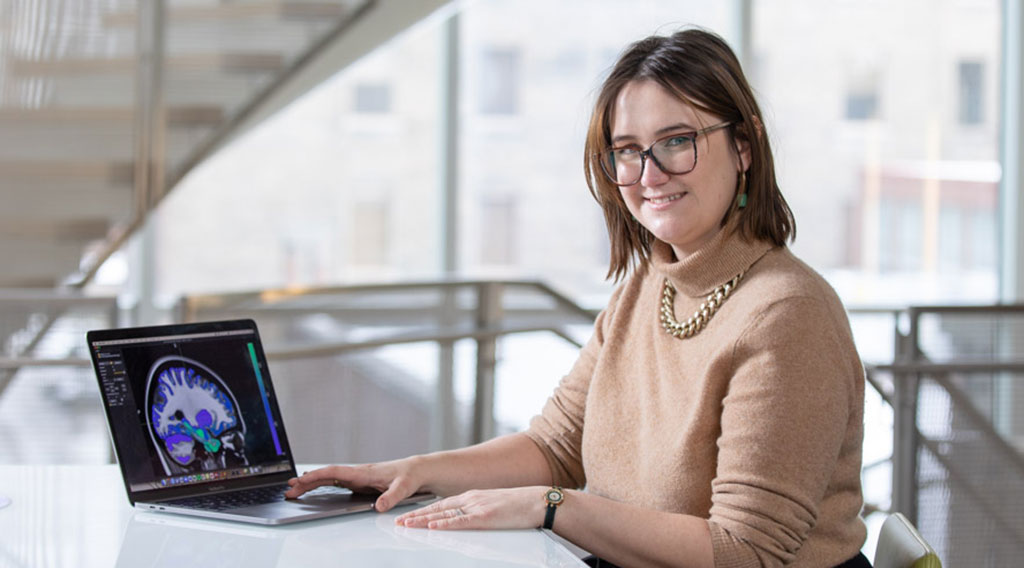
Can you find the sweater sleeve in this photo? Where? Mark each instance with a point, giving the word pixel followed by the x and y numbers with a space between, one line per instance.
pixel 784 419
pixel 558 429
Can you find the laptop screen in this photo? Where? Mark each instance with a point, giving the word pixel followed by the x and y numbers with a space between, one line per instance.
pixel 189 404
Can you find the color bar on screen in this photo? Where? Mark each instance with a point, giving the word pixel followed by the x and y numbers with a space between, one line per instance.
pixel 266 402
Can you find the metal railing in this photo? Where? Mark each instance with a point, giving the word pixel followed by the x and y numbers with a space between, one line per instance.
pixel 958 408
pixel 440 312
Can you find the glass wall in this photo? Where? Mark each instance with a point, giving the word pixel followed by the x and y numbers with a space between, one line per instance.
pixel 339 187
pixel 885 134
pixel 885 117
pixel 344 185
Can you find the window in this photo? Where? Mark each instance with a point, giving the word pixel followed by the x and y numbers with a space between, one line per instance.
pixel 499 81
pixel 861 105
pixel 951 239
pixel 971 104
pixel 373 98
pixel 901 227
pixel 368 241
pixel 862 97
pixel 981 234
pixel 498 230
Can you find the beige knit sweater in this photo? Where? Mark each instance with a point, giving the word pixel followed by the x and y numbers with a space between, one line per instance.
pixel 755 423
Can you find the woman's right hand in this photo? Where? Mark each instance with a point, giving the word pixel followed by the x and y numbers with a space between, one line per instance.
pixel 506 461
pixel 395 480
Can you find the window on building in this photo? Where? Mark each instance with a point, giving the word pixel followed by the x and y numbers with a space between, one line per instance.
pixel 900 244
pixel 498 234
pixel 373 98
pixel 369 238
pixel 499 81
pixel 862 98
pixel 971 75
pixel 861 106
pixel 981 233
pixel 951 239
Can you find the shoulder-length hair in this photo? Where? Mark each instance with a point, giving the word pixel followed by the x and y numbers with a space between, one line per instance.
pixel 698 67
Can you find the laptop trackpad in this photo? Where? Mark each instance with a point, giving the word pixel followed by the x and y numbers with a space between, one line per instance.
pixel 337 499
pixel 310 504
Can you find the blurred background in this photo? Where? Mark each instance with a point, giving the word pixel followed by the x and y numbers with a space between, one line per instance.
pixel 394 190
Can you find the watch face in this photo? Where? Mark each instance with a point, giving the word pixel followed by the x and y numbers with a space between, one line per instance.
pixel 554 496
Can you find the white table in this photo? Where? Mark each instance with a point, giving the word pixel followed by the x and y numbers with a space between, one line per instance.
pixel 79 516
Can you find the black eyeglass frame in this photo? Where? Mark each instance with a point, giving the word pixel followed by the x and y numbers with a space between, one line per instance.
pixel 649 153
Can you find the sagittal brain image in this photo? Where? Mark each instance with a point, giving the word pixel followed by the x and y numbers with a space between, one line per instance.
pixel 193 418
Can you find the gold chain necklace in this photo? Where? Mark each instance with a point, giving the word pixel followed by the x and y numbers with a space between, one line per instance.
pixel 700 318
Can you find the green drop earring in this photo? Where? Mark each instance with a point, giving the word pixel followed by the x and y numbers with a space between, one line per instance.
pixel 741 201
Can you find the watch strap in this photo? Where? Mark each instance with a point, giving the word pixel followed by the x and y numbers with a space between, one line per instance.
pixel 549 516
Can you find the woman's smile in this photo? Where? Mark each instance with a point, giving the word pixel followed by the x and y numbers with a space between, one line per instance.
pixel 659 201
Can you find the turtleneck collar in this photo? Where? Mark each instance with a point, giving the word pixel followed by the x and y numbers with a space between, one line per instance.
pixel 723 257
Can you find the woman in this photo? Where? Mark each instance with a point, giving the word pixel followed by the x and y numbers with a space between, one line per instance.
pixel 727 438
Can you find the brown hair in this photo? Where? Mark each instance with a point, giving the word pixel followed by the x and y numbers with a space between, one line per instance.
pixel 700 68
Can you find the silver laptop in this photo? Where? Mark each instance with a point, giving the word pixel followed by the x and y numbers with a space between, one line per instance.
pixel 196 426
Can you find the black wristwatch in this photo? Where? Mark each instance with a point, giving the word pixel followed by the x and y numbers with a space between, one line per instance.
pixel 554 497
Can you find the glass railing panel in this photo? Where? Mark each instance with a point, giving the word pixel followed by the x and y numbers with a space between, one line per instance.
pixel 975 335
pixel 968 471
pixel 874 333
pixel 53 415
pixel 358 407
pixel 50 409
pixel 530 366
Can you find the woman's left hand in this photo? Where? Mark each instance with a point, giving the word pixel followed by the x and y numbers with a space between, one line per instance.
pixel 518 508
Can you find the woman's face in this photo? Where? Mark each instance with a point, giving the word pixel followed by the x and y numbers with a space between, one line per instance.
pixel 683 210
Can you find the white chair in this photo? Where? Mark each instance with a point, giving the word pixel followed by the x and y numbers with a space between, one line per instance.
pixel 901 546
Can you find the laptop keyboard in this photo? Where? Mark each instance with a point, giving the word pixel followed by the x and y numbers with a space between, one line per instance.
pixel 245 498
pixel 233 499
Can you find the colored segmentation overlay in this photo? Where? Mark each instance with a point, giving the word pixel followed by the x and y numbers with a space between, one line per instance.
pixel 187 410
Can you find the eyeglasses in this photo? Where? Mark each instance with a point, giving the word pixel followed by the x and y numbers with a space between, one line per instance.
pixel 674 154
